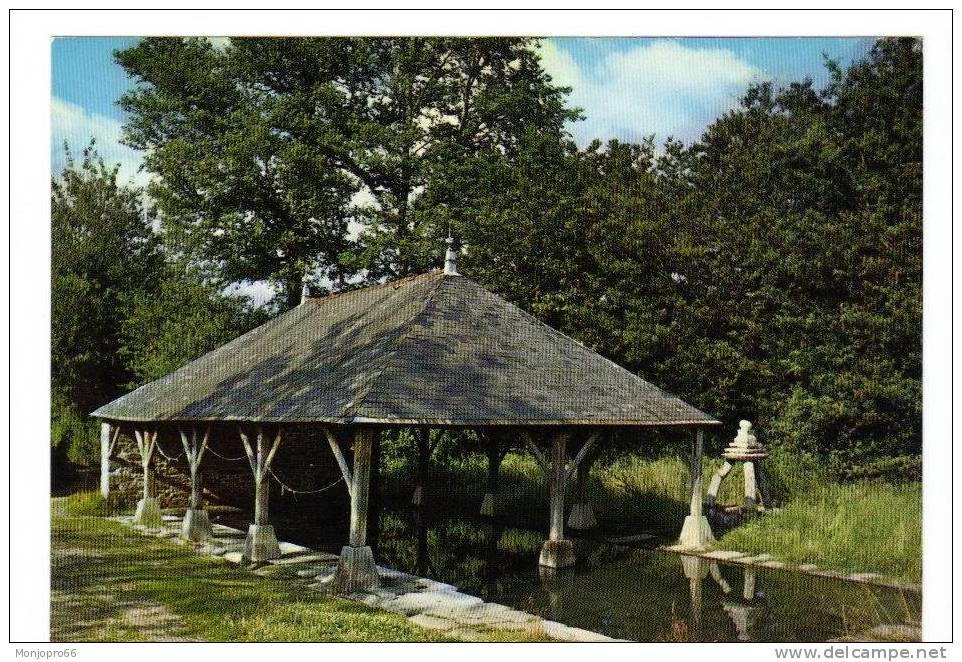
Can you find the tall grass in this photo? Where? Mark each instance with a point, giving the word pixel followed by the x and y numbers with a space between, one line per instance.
pixel 867 526
pixel 857 527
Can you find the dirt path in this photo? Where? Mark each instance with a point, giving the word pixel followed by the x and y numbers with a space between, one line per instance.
pixel 90 603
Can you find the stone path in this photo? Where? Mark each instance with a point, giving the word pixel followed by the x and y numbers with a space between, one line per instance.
pixel 767 561
pixel 427 603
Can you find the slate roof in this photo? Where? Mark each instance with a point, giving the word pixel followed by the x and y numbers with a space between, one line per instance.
pixel 429 349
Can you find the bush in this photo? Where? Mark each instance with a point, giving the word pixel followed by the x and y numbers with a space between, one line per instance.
pixel 89 504
pixel 73 437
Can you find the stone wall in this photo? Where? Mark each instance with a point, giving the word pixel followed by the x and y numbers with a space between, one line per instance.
pixel 303 461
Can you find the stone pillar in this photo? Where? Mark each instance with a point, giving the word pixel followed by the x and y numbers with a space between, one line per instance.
pixel 106 449
pixel 715 483
pixel 751 489
pixel 582 515
pixel 261 543
pixel 556 551
pixel 148 508
pixel 696 532
pixel 355 569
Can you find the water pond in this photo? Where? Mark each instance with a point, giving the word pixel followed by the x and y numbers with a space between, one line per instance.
pixel 627 591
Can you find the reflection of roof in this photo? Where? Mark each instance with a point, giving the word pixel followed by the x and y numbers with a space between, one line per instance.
pixel 432 349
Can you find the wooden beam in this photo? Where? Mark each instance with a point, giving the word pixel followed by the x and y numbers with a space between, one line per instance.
pixel 360 489
pixel 538 455
pixel 586 447
pixel 248 449
pixel 698 448
pixel 339 456
pixel 557 476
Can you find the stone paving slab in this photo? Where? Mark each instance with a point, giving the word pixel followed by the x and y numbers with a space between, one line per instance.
pixel 428 603
pixel 305 558
pixel 767 561
pixel 723 555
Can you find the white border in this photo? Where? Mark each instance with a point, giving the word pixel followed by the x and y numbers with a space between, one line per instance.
pixel 30 298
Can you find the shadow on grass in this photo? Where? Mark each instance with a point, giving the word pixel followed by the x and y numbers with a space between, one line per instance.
pixel 109 584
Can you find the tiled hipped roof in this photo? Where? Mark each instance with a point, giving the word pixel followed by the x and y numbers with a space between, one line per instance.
pixel 430 349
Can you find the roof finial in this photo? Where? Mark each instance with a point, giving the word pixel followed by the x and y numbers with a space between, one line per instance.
pixel 305 288
pixel 451 257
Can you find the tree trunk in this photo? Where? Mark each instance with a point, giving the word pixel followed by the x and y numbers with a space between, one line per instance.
pixel 292 290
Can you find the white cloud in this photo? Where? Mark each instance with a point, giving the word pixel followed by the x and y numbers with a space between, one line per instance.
pixel 261 292
pixel 661 88
pixel 76 126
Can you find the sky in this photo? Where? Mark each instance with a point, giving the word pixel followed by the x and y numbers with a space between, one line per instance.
pixel 627 88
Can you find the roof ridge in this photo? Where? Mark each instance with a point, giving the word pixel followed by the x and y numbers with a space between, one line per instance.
pixel 565 336
pixel 374 286
pixel 352 409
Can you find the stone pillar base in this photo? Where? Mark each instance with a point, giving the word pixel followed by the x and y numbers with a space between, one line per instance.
pixel 148 513
pixel 417 498
pixel 261 543
pixel 557 554
pixel 196 525
pixel 582 516
pixel 487 505
pixel 355 570
pixel 696 533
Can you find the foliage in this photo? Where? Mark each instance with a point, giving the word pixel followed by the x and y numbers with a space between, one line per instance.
pixel 103 247
pixel 770 271
pixel 87 504
pixel 261 145
pixel 123 312
pixel 181 321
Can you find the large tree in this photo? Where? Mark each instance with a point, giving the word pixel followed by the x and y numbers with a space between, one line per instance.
pixel 259 145
pixel 240 195
pixel 124 311
pixel 803 297
pixel 103 248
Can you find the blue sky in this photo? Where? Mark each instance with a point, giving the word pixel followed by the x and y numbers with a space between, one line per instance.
pixel 628 87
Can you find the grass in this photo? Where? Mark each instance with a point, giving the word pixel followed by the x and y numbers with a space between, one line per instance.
pixel 865 526
pixel 80 504
pixel 112 584
pixel 857 527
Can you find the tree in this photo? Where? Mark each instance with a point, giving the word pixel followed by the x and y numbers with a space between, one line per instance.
pixel 240 195
pixel 179 321
pixel 803 297
pixel 102 247
pixel 123 311
pixel 259 146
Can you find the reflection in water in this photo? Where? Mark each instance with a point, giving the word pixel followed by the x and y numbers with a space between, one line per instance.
pixel 638 594
pixel 623 592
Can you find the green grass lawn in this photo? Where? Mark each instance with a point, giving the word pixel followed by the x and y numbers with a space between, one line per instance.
pixel 112 584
